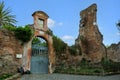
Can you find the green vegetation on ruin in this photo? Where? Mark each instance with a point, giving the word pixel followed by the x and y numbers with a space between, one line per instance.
pixel 105 67
pixel 4 76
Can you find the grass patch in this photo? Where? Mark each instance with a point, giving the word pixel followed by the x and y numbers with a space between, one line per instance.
pixel 105 67
pixel 4 76
pixel 80 71
pixel 110 66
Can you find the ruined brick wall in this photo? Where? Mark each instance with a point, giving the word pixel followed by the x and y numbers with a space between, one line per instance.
pixel 113 52
pixel 90 39
pixel 9 47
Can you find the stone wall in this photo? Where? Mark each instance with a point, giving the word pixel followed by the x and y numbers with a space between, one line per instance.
pixel 113 52
pixel 65 59
pixel 9 47
pixel 89 38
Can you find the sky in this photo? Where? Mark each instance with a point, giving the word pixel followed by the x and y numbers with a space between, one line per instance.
pixel 64 16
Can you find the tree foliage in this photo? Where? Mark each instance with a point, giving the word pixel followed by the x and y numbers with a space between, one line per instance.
pixel 58 44
pixel 5 17
pixel 9 27
pixel 24 34
pixel 35 40
pixel 39 41
pixel 118 25
pixel 75 50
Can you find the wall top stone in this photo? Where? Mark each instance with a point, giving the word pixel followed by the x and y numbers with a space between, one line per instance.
pixel 88 10
pixel 41 13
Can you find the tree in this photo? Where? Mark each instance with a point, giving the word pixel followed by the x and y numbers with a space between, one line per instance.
pixel 5 17
pixel 118 25
pixel 36 40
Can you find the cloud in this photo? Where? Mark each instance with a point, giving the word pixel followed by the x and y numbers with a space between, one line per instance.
pixel 60 24
pixel 51 23
pixel 118 33
pixel 68 39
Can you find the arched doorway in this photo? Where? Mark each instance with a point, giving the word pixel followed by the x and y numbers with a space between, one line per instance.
pixel 39 56
pixel 34 55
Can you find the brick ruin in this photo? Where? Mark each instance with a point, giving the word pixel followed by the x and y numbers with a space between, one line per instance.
pixel 90 39
pixel 39 32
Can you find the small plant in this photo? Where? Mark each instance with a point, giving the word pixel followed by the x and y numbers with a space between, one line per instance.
pixel 49 32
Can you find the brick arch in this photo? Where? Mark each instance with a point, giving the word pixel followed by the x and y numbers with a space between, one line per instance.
pixel 51 55
pixel 41 32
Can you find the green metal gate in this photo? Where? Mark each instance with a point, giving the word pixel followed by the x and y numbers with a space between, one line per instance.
pixel 39 59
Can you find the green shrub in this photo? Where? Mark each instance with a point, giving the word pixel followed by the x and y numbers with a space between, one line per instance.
pixel 98 71
pixel 23 34
pixel 4 76
pixel 49 32
pixel 110 66
pixel 9 27
pixel 35 40
pixel 84 63
pixel 58 44
pixel 79 70
pixel 75 50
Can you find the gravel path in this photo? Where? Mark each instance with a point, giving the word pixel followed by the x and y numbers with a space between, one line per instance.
pixel 67 77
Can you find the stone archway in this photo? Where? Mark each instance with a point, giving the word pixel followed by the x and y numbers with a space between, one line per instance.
pixel 39 55
pixel 51 54
pixel 41 30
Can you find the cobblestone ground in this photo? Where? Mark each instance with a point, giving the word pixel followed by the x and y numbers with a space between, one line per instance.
pixel 67 77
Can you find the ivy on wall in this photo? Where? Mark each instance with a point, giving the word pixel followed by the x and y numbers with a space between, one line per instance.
pixel 23 34
pixel 75 50
pixel 58 44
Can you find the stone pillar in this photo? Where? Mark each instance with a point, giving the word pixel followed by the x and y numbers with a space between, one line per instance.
pixel 51 55
pixel 26 55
